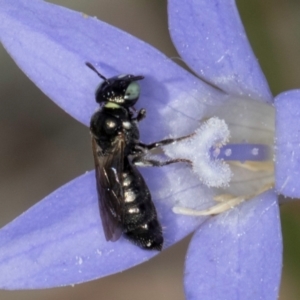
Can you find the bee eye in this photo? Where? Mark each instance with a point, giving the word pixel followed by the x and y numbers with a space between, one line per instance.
pixel 133 91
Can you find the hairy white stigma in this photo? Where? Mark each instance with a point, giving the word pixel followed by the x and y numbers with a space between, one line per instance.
pixel 212 134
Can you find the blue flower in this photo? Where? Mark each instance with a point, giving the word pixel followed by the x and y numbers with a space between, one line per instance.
pixel 235 255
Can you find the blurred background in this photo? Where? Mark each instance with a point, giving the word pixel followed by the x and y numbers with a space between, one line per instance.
pixel 42 147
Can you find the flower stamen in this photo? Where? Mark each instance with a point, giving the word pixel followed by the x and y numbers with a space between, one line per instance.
pixel 226 202
pixel 254 166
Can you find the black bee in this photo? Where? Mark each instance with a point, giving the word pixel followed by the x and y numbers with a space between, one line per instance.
pixel 124 198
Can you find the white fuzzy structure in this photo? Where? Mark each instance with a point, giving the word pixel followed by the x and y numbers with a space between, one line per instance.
pixel 211 171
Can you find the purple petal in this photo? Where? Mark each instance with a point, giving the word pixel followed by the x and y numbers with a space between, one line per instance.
pixel 211 39
pixel 237 255
pixel 287 170
pixel 60 240
pixel 51 45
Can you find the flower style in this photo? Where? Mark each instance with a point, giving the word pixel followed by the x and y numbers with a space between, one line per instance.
pixel 234 255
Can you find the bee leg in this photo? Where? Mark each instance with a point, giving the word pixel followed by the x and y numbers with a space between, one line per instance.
pixel 140 115
pixel 164 142
pixel 142 162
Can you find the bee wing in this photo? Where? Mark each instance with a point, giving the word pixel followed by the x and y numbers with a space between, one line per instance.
pixel 109 169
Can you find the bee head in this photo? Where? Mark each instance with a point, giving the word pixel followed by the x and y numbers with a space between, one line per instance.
pixel 122 90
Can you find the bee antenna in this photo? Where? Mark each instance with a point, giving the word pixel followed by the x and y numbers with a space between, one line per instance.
pixel 95 70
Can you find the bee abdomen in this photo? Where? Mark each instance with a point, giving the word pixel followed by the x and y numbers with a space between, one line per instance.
pixel 140 224
pixel 147 236
pixel 140 213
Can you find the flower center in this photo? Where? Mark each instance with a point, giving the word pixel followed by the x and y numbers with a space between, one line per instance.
pixel 231 152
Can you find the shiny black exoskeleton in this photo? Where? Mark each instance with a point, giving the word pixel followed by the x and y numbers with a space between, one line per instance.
pixel 124 198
